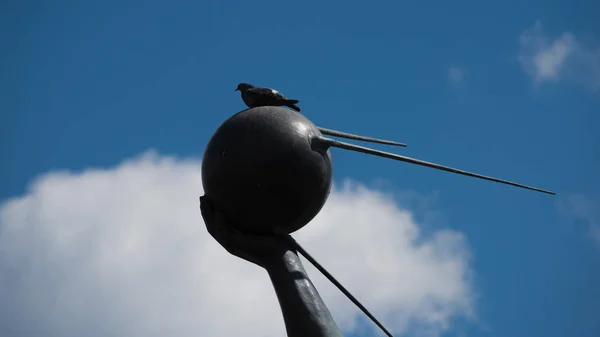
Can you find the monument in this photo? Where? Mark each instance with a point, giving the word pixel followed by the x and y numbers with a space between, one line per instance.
pixel 267 173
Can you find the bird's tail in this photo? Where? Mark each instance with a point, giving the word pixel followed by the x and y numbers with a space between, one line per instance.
pixel 292 104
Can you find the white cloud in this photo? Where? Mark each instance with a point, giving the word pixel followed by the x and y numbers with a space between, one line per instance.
pixel 455 74
pixel 548 59
pixel 123 252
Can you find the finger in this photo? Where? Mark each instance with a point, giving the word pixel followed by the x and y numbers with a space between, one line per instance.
pixel 216 223
pixel 251 242
pixel 243 245
pixel 217 228
pixel 209 216
pixel 206 207
pixel 206 210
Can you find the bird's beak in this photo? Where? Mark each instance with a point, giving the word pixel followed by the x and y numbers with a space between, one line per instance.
pixel 237 89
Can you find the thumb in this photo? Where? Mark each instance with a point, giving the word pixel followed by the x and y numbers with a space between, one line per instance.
pixel 209 214
pixel 215 224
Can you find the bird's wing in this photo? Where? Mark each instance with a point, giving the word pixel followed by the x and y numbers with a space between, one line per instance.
pixel 266 92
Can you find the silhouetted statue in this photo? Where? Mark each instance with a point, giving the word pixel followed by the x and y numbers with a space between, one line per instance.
pixel 267 173
pixel 304 312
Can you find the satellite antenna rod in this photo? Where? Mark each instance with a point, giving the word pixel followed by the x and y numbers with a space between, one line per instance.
pixel 320 143
pixel 336 133
pixel 336 283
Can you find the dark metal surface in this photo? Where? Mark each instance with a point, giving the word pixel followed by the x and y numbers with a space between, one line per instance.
pixel 260 169
pixel 267 170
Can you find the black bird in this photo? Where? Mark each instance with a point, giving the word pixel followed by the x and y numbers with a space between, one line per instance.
pixel 255 97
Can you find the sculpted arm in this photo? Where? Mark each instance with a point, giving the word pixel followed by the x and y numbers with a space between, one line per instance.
pixel 303 309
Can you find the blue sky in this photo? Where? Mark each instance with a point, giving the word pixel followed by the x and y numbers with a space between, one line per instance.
pixel 88 85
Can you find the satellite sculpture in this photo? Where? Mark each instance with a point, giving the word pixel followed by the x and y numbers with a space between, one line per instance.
pixel 266 173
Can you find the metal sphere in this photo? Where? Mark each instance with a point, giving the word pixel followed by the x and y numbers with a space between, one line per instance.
pixel 259 169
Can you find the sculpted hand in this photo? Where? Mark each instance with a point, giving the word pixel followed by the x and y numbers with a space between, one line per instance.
pixel 258 249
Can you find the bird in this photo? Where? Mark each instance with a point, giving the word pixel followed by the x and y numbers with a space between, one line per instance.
pixel 254 97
